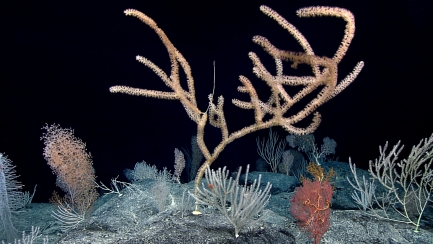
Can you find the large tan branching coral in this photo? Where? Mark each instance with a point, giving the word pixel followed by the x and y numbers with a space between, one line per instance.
pixel 324 71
